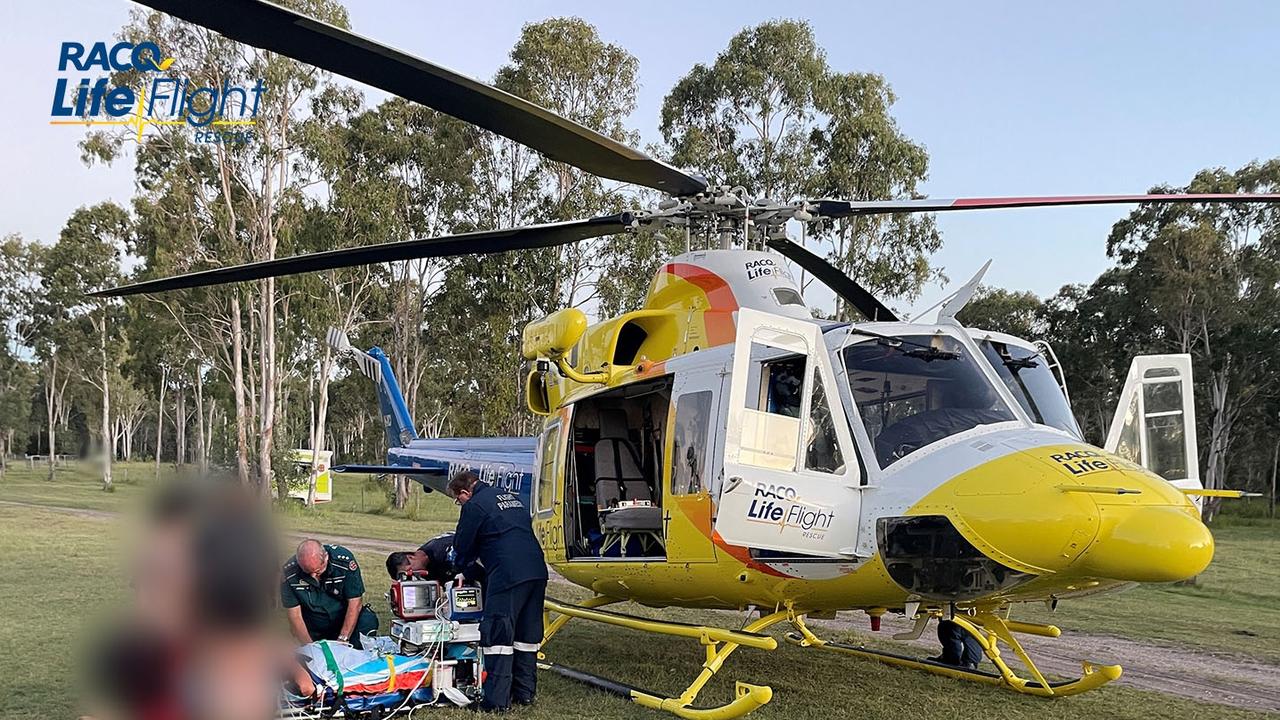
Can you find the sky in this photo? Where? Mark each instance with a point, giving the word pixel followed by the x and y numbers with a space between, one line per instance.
pixel 1008 98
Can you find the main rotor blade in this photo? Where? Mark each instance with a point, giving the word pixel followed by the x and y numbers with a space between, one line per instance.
pixel 847 208
pixel 830 275
pixel 484 241
pixel 271 27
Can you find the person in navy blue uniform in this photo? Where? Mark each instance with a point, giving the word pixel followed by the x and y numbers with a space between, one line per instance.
pixel 496 529
pixel 959 647
pixel 436 559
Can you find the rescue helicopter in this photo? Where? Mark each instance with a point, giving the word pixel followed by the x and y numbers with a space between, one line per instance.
pixel 724 447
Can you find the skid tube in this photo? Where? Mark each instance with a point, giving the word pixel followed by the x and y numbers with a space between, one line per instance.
pixel 719 643
pixel 989 629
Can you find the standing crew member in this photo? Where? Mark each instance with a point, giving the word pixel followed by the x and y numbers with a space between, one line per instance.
pixel 496 529
pixel 323 592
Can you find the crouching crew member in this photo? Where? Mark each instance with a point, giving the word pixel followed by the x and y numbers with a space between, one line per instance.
pixel 959 647
pixel 496 529
pixel 436 558
pixel 323 593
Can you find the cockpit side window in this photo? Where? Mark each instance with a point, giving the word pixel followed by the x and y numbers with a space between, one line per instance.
pixel 916 390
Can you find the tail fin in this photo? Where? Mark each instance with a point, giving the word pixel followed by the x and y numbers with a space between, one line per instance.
pixel 375 366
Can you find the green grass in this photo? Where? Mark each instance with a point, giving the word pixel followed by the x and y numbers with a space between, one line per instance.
pixel 42 618
pixel 41 623
pixel 359 508
pixel 1234 607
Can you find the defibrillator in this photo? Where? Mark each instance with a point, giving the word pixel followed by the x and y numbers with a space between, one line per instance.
pixel 415 598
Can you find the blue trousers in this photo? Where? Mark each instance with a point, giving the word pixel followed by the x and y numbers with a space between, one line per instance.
pixel 510 637
pixel 959 647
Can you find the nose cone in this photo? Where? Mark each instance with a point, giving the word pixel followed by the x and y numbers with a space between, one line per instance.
pixel 1149 544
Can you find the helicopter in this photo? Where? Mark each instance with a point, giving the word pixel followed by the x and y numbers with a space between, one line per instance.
pixel 724 447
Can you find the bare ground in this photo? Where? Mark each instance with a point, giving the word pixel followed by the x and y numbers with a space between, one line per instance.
pixel 1221 678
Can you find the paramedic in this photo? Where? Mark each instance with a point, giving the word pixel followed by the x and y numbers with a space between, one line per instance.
pixel 435 558
pixel 323 593
pixel 496 529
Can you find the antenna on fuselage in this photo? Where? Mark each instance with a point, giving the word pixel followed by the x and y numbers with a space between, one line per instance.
pixel 948 307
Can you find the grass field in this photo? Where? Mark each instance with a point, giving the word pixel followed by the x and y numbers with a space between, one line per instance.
pixel 61 570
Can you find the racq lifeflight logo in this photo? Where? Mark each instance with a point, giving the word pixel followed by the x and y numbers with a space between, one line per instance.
pixel 223 114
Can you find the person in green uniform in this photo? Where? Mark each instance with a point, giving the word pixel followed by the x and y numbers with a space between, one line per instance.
pixel 323 592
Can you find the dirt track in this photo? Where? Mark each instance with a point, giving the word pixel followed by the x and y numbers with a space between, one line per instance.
pixel 1221 678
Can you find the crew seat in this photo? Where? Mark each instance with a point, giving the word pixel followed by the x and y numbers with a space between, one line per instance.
pixel 619 477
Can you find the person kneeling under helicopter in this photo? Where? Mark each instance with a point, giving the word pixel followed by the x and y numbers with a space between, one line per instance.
pixel 959 647
pixel 496 529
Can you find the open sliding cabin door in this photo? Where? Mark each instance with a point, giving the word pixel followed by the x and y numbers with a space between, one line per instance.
pixel 790 474
pixel 1155 420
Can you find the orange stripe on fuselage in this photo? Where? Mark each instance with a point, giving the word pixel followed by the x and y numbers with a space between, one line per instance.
pixel 721 302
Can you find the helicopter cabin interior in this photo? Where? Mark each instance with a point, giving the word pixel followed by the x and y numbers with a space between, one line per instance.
pixel 613 506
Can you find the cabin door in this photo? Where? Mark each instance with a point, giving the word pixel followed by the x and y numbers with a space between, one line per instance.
pixel 790 475
pixel 687 510
pixel 1155 421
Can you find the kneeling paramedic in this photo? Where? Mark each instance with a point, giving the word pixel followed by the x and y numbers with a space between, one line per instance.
pixel 323 592
pixel 496 529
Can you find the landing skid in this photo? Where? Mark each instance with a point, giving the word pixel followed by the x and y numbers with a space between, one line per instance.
pixel 990 630
pixel 719 643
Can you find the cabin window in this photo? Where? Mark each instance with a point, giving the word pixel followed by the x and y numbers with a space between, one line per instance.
pixel 1129 447
pixel 689 446
pixel 547 469
pixel 1165 423
pixel 823 454
pixel 775 397
pixel 787 296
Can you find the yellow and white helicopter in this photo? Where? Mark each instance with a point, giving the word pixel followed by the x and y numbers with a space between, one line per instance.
pixel 723 448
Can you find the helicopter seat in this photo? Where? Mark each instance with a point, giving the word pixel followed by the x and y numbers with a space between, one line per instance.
pixel 624 498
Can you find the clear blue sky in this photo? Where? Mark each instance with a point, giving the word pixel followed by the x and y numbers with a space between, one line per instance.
pixel 1009 98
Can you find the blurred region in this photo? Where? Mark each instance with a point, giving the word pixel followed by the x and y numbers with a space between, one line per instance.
pixel 195 639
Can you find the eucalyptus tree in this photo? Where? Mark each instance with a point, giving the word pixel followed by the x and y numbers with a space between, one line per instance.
pixel 78 330
pixel 1208 276
pixel 772 117
pixel 242 198
pixel 20 268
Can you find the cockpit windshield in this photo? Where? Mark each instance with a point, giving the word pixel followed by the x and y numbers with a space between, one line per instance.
pixel 1027 374
pixel 918 389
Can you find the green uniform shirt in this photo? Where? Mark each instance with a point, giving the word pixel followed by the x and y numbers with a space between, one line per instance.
pixel 323 603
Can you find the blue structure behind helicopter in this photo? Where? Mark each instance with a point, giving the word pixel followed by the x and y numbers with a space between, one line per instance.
pixel 505 462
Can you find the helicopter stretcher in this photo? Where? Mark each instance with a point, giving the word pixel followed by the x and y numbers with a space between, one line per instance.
pixel 431 658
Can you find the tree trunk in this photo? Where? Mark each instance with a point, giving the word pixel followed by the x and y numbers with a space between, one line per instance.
pixel 237 349
pixel 51 398
pixel 180 425
pixel 1275 470
pixel 1219 438
pixel 208 438
pixel 311 442
pixel 164 384
pixel 201 459
pixel 108 444
pixel 267 407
